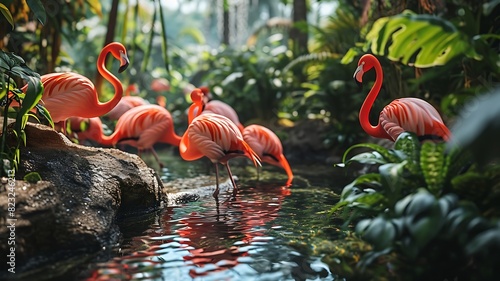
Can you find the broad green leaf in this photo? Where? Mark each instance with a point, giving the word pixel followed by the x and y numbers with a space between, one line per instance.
pixel 350 55
pixel 33 95
pixel 419 40
pixel 37 8
pixel 6 13
pixel 45 113
pixel 368 158
pixel 378 232
pixel 432 163
pixel 391 177
pixel 390 156
pixel 95 7
pixel 484 242
pixel 409 144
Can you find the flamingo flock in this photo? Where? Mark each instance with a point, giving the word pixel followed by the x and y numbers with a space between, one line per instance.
pixel 214 129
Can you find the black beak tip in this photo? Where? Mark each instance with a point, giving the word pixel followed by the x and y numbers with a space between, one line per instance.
pixel 122 68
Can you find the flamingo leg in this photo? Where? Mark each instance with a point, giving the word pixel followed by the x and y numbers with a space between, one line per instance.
pixel 235 188
pixel 216 192
pixel 157 158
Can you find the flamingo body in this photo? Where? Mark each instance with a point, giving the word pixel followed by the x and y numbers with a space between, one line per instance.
pixel 71 94
pixel 220 107
pixel 125 104
pixel 143 126
pixel 214 136
pixel 404 114
pixel 268 147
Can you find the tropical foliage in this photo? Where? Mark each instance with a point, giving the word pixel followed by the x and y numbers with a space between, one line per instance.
pixel 427 203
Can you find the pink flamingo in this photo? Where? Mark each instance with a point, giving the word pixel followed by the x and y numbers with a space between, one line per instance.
pixel 219 107
pixel 404 114
pixel 268 146
pixel 140 127
pixel 214 136
pixel 71 94
pixel 126 103
pixel 85 129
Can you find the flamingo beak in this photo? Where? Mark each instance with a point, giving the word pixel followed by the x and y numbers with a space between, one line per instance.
pixel 358 75
pixel 124 62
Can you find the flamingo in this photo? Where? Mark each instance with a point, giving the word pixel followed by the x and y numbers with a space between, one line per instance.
pixel 160 85
pixel 219 107
pixel 268 146
pixel 85 129
pixel 214 136
pixel 404 114
pixel 71 94
pixel 126 103
pixel 142 127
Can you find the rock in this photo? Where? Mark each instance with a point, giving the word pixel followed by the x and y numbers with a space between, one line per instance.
pixel 70 215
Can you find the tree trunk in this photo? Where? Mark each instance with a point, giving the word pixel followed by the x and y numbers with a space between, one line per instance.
pixel 299 36
pixel 110 35
pixel 225 22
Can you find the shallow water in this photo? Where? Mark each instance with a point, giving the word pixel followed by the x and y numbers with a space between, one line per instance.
pixel 257 235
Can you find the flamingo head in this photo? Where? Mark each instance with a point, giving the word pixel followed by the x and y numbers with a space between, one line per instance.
pixel 206 92
pixel 366 62
pixel 120 53
pixel 197 107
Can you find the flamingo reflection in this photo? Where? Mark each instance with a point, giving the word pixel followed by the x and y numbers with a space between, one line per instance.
pixel 206 241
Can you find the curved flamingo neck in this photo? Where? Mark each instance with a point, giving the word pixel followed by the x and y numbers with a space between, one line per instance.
pixel 101 67
pixel 364 113
pixel 192 114
pixel 172 138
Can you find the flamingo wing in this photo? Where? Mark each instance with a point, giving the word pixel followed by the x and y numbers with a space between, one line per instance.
pixel 268 146
pixel 413 115
pixel 264 142
pixel 143 126
pixel 63 89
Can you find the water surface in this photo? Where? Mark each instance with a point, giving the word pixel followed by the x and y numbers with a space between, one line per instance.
pixel 258 235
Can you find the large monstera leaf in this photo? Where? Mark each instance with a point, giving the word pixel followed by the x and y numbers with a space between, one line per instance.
pixel 419 40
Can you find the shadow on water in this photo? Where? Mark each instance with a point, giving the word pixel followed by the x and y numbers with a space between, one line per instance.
pixel 249 237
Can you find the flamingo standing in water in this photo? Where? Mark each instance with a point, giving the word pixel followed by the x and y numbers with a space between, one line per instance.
pixel 268 146
pixel 71 94
pixel 214 136
pixel 404 114
pixel 219 107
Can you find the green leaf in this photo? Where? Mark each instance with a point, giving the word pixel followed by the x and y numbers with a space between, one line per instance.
pixel 6 13
pixel 409 144
pixel 389 156
pixel 378 232
pixel 350 55
pixel 32 177
pixel 391 176
pixel 419 40
pixel 45 113
pixel 37 8
pixel 432 163
pixel 484 242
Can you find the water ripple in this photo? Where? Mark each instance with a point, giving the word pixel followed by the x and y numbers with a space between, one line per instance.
pixel 242 239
